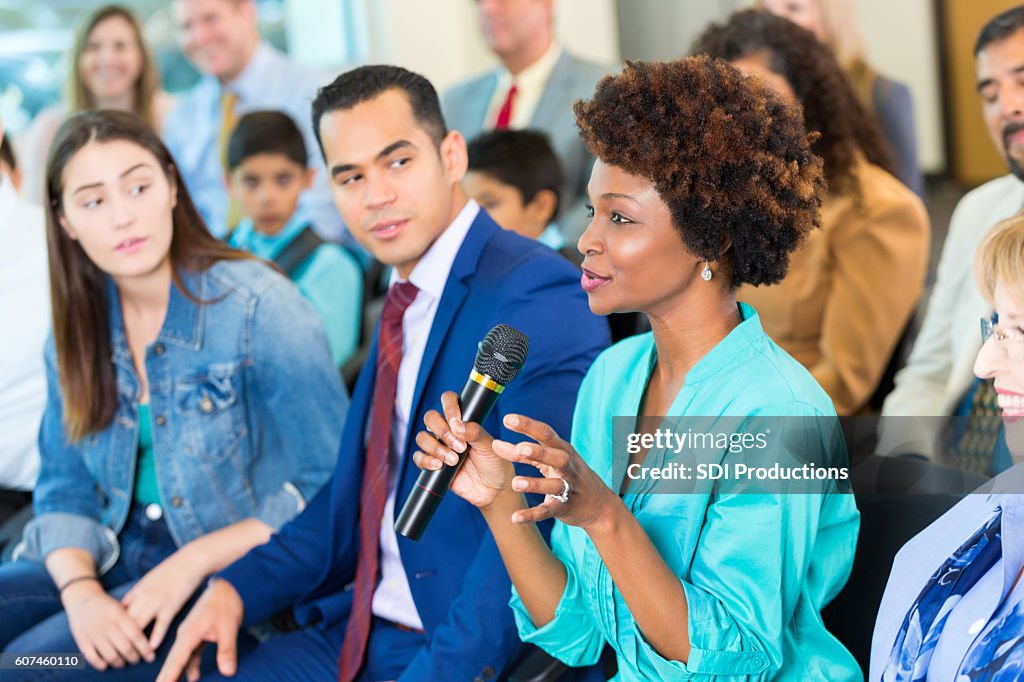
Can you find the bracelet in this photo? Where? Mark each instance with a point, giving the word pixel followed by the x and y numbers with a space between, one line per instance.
pixel 60 590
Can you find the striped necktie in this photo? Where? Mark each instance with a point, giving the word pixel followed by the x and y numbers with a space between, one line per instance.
pixel 374 490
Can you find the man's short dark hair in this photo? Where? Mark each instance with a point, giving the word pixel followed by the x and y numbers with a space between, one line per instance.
pixel 266 132
pixel 7 153
pixel 523 159
pixel 1000 27
pixel 367 82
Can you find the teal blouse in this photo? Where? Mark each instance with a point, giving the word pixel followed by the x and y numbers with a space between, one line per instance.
pixel 330 279
pixel 147 491
pixel 756 567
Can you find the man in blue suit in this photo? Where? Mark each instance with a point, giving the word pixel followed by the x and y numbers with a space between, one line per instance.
pixel 394 609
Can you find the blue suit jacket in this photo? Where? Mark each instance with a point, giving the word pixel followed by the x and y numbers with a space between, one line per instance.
pixel 456 575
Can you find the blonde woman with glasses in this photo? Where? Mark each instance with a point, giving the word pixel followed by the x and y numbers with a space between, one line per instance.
pixel 954 605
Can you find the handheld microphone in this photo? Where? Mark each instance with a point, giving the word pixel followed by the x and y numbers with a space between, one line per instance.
pixel 499 358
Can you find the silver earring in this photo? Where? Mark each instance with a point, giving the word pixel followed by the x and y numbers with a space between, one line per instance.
pixel 706 273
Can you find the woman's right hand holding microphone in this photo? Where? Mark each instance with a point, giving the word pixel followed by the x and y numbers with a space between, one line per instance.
pixel 484 475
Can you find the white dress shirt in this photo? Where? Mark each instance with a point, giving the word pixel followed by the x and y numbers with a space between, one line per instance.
pixel 530 84
pixel 25 318
pixel 271 80
pixel 392 599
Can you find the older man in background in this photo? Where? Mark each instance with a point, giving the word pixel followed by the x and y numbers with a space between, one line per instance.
pixel 534 87
pixel 241 73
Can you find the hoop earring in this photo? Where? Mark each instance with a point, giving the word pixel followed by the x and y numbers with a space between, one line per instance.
pixel 706 273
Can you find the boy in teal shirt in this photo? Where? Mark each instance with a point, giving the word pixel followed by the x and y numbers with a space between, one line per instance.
pixel 267 173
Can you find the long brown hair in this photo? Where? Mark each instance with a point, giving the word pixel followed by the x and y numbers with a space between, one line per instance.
pixel 830 105
pixel 146 86
pixel 81 319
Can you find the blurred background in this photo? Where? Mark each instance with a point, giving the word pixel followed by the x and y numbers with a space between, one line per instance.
pixel 923 43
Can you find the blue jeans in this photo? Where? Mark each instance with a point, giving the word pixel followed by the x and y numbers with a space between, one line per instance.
pixel 32 619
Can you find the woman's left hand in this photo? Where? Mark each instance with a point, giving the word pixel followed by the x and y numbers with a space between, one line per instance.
pixel 161 594
pixel 589 500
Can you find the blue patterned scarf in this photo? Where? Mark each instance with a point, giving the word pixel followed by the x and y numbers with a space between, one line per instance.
pixel 912 651
pixel 999 655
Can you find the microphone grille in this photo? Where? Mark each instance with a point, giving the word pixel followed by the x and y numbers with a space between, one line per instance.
pixel 502 353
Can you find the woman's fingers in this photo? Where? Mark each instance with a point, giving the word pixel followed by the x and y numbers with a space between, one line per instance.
pixel 108 649
pixel 531 453
pixel 139 610
pixel 138 645
pixel 432 448
pixel 536 514
pixel 160 628
pixel 541 486
pixel 452 411
pixel 438 426
pixel 535 429
pixel 96 659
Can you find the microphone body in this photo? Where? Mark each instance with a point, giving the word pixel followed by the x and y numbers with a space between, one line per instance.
pixel 476 400
pixel 499 358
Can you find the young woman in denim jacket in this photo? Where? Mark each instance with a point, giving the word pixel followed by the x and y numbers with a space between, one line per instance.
pixel 193 406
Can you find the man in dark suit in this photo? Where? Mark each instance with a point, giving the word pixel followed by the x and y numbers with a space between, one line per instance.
pixel 534 87
pixel 436 609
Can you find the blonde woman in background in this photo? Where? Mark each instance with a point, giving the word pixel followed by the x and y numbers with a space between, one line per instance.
pixel 111 68
pixel 834 22
pixel 953 608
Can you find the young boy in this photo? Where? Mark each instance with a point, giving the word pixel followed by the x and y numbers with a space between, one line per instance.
pixel 267 173
pixel 515 176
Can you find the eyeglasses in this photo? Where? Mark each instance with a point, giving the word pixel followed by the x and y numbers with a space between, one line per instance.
pixel 1010 339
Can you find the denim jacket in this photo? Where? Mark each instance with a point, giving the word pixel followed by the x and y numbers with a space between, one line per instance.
pixel 247 411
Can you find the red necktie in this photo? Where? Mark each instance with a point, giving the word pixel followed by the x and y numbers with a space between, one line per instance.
pixel 505 113
pixel 374 490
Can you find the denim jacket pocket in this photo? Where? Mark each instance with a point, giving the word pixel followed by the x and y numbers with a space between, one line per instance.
pixel 213 422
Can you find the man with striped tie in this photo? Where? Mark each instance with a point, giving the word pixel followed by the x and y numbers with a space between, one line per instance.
pixel 366 604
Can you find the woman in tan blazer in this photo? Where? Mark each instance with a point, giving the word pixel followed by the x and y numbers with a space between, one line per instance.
pixel 852 288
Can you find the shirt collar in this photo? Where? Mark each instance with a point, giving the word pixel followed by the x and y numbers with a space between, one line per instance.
pixel 247 84
pixel 748 332
pixel 552 237
pixel 535 75
pixel 246 237
pixel 431 272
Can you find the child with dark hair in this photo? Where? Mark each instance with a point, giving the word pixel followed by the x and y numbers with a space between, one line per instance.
pixel 9 163
pixel 516 176
pixel 267 173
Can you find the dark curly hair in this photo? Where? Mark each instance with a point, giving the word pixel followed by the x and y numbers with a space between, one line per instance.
pixel 831 106
pixel 730 159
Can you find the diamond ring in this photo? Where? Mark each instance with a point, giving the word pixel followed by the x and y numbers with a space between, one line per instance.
pixel 564 497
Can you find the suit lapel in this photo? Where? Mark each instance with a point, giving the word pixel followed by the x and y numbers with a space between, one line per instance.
pixel 476 105
pixel 452 299
pixel 555 99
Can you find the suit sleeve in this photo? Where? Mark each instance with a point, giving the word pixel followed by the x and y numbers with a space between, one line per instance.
pixel 277 574
pixel 479 631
